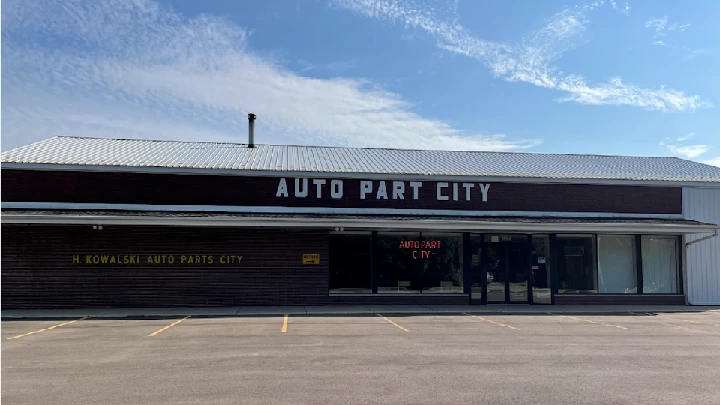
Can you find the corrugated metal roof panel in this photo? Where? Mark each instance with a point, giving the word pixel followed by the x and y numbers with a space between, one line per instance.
pixel 211 155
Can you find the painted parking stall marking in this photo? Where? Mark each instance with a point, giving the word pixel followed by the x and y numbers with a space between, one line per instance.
pixel 285 324
pixel 393 323
pixel 669 325
pixel 491 321
pixel 588 321
pixel 678 327
pixel 47 329
pixel 700 323
pixel 169 326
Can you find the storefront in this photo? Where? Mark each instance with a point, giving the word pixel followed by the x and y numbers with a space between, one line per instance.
pixel 495 268
pixel 121 223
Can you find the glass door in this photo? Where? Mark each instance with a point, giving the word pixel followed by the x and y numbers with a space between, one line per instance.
pixel 496 263
pixel 517 271
pixel 506 266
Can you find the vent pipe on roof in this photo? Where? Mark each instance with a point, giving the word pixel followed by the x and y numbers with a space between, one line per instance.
pixel 251 130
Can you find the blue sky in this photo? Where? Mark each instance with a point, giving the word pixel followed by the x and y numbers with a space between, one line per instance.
pixel 602 77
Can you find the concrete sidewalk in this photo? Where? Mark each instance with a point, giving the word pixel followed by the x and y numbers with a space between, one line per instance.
pixel 348 310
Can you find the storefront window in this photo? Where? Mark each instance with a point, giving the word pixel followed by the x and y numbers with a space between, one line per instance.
pixel 442 263
pixel 576 264
pixel 660 265
pixel 350 255
pixel 399 268
pixel 419 263
pixel 616 264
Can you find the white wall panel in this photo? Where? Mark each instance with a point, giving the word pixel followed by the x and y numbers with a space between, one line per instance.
pixel 703 258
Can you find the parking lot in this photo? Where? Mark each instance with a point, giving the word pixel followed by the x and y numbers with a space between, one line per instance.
pixel 432 358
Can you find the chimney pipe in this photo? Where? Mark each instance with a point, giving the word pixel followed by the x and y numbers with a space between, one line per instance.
pixel 251 130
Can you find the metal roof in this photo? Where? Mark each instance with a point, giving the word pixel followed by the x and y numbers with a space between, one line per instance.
pixel 135 153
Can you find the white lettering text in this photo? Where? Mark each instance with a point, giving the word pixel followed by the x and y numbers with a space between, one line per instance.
pixel 441 197
pixel 398 190
pixel 336 189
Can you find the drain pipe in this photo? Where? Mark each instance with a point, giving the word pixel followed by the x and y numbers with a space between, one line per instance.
pixel 251 130
pixel 702 239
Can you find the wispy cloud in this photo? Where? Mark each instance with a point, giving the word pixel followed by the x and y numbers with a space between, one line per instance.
pixel 694 53
pixel 141 70
pixel 531 60
pixel 686 137
pixel 332 67
pixel 713 162
pixel 662 27
pixel 625 10
pixel 686 151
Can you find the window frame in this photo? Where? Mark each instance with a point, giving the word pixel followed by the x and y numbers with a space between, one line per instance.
pixel 678 263
pixel 636 269
pixel 560 255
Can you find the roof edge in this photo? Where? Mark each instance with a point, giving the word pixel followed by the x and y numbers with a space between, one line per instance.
pixel 348 175
pixel 690 227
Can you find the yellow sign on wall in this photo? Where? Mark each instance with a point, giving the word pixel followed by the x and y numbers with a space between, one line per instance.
pixel 311 258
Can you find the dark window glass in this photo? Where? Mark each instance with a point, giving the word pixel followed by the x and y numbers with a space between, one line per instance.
pixel 414 263
pixel 399 267
pixel 507 268
pixel 576 264
pixel 476 270
pixel 441 257
pixel 541 269
pixel 350 263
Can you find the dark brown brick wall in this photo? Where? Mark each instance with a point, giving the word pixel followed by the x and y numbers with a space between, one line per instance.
pixel 38 268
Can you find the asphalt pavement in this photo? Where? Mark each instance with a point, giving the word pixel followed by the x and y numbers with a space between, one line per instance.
pixel 370 358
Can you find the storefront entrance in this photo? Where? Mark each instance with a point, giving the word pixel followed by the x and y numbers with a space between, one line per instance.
pixel 501 269
pixel 507 268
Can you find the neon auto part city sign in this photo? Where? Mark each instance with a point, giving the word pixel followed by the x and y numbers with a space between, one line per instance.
pixel 421 249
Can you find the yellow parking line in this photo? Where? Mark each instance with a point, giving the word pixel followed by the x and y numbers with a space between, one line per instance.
pixel 686 328
pixel 488 320
pixel 680 327
pixel 169 326
pixel 284 327
pixel 46 329
pixel 700 323
pixel 588 321
pixel 380 315
pixel 673 326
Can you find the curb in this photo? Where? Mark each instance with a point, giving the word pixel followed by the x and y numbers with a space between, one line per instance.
pixel 549 311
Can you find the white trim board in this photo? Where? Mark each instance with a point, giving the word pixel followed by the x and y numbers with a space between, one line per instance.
pixel 322 210
pixel 370 224
pixel 351 175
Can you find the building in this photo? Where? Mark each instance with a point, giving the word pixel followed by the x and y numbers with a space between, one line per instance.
pixel 135 223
